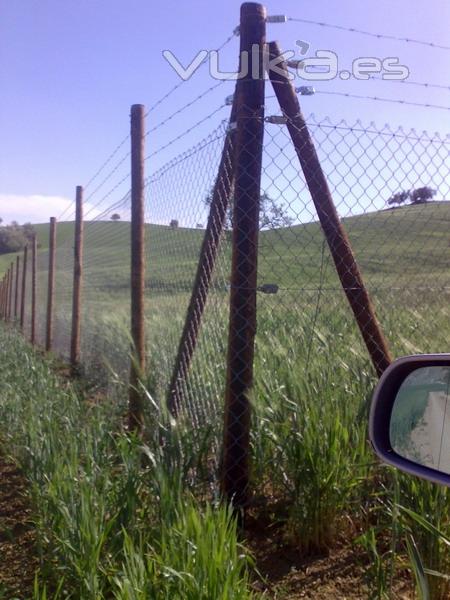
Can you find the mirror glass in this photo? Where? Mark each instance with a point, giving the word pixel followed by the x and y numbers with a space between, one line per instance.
pixel 420 420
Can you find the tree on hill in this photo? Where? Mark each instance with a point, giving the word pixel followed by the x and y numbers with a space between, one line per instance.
pixel 398 198
pixel 14 237
pixel 115 217
pixel 422 195
pixel 272 215
pixel 417 196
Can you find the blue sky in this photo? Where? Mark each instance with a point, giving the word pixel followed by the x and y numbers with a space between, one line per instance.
pixel 70 69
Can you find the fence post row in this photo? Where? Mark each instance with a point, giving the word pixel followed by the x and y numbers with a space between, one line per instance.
pixel 24 287
pixel 77 283
pixel 51 284
pixel 33 288
pixel 221 198
pixel 242 324
pixel 137 369
pixel 336 236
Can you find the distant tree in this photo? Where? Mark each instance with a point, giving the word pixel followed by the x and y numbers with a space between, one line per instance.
pixel 422 195
pixel 115 217
pixel 13 237
pixel 418 196
pixel 28 231
pixel 173 224
pixel 398 198
pixel 272 215
pixel 199 226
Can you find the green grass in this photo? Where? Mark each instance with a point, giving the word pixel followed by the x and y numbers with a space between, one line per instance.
pixel 113 524
pixel 311 461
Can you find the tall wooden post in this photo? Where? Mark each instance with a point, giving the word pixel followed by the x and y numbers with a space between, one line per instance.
pixel 33 288
pixel 16 291
pixel 8 283
pixel 336 236
pixel 24 288
pixel 4 302
pixel 10 301
pixel 242 328
pixel 137 370
pixel 2 298
pixel 51 284
pixel 77 283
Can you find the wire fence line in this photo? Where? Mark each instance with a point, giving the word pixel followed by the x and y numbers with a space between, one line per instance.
pixel 402 252
pixel 286 235
pixel 379 36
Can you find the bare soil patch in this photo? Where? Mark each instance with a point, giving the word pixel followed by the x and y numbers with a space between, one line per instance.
pixel 18 554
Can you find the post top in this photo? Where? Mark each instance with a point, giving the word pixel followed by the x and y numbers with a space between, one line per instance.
pixel 253 8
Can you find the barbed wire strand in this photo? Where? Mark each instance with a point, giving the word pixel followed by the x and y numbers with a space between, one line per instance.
pixel 379 99
pixel 110 174
pixel 427 85
pixel 107 195
pixel 182 81
pixel 380 36
pixel 107 161
pixel 235 33
pixel 186 132
pixel 183 108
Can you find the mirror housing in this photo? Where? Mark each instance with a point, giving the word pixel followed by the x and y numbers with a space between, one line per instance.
pixel 381 411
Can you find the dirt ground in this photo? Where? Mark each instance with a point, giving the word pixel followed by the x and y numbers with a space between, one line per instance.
pixel 284 574
pixel 18 555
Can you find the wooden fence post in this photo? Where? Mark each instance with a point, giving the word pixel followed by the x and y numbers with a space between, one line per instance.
pixel 2 297
pixel 6 306
pixel 336 236
pixel 10 301
pixel 137 369
pixel 16 291
pixel 51 284
pixel 24 288
pixel 242 327
pixel 77 283
pixel 4 309
pixel 8 294
pixel 33 288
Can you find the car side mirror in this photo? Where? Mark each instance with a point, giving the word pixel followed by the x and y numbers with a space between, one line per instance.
pixel 409 424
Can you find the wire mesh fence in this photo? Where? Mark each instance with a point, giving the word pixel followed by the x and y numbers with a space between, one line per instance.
pixel 379 181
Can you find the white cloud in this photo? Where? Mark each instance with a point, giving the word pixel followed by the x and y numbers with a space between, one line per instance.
pixel 38 209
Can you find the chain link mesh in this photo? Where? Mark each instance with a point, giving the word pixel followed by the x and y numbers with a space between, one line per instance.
pixel 403 253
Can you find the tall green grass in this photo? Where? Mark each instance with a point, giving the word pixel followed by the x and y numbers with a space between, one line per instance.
pixel 112 527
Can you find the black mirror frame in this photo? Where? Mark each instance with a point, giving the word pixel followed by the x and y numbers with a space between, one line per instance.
pixel 381 410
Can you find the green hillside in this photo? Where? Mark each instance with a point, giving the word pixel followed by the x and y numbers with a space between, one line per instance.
pixel 410 244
